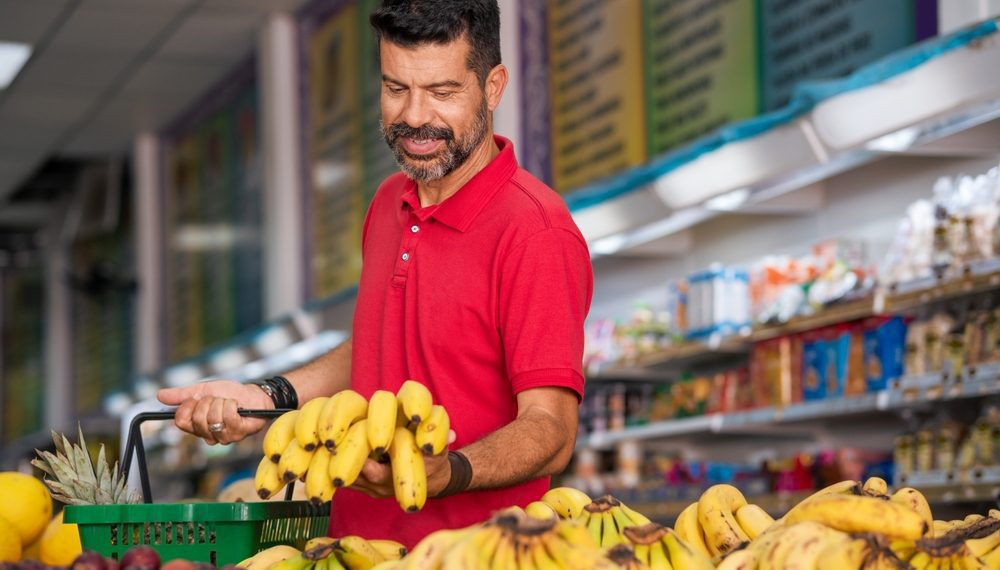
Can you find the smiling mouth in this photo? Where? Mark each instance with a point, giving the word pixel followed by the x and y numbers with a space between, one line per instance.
pixel 421 147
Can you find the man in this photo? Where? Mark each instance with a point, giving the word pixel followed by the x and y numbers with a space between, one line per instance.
pixel 475 282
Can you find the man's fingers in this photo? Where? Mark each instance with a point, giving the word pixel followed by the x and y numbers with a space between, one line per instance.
pixel 376 473
pixel 452 436
pixel 177 396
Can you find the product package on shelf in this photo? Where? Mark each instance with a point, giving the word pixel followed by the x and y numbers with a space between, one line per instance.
pixel 718 302
pixel 946 450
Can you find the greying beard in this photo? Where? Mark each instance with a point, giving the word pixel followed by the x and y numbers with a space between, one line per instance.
pixel 436 167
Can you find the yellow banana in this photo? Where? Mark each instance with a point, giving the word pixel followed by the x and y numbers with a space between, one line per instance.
pixel 267 481
pixel 381 421
pixel 467 552
pixel 860 514
pixel 356 554
pixel 387 565
pixel 624 557
pixel 409 477
pixel 319 487
pixel 683 556
pixel 268 557
pixel 429 553
pixel 541 558
pixel 540 510
pixel 641 553
pixel 567 502
pixel 715 515
pixel 847 487
pixel 915 501
pixel 319 542
pixel 622 520
pixel 991 558
pixel 689 529
pixel 637 518
pixel 340 411
pixel 801 546
pixel 658 559
pixel 432 432
pixel 739 560
pixel 389 549
pixel 349 456
pixel 307 424
pixel 415 401
pixel 920 560
pixel 294 462
pixel 611 535
pixel 296 562
pixel 495 550
pixel 980 546
pixel 876 486
pixel 281 431
pixel 595 526
pixel 753 520
pixel 839 556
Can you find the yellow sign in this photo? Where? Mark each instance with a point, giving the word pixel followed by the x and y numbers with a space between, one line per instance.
pixel 596 86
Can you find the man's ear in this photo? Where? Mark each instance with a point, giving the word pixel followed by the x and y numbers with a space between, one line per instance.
pixel 496 83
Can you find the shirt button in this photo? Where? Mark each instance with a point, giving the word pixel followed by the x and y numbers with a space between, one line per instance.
pixel 414 229
pixel 406 256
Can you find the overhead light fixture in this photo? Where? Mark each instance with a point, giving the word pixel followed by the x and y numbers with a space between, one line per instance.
pixel 730 201
pixel 12 58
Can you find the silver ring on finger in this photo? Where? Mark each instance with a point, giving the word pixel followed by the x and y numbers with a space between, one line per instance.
pixel 216 428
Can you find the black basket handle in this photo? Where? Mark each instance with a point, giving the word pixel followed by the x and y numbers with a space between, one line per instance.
pixel 134 446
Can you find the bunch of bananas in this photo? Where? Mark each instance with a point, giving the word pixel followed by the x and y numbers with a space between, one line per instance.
pixel 509 540
pixel 660 548
pixel 606 520
pixel 324 553
pixel 326 442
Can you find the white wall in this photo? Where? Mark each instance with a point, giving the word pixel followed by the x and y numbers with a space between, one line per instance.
pixel 866 204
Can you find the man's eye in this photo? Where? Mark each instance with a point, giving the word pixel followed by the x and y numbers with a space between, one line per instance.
pixel 442 94
pixel 396 90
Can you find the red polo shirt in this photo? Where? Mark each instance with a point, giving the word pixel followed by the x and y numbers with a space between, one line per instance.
pixel 480 297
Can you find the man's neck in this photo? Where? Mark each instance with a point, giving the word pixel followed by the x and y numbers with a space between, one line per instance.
pixel 437 191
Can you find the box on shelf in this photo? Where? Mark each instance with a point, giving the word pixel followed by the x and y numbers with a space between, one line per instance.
pixel 718 302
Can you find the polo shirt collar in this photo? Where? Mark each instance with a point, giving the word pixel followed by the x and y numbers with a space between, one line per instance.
pixel 463 207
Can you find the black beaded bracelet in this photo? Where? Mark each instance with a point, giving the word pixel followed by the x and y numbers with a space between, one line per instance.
pixel 461 474
pixel 281 391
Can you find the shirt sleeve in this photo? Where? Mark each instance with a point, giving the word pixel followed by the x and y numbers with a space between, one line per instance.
pixel 546 285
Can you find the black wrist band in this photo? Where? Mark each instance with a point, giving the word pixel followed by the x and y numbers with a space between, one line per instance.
pixel 281 391
pixel 461 474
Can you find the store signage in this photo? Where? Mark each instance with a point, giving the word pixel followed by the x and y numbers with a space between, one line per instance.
pixel 701 67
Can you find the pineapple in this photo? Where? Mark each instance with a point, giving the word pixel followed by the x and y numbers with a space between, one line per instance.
pixel 73 480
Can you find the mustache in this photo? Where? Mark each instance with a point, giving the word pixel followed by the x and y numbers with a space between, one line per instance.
pixel 425 132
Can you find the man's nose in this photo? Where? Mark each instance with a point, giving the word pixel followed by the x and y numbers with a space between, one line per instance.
pixel 417 111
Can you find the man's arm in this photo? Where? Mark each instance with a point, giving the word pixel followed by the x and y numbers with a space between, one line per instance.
pixel 206 403
pixel 537 443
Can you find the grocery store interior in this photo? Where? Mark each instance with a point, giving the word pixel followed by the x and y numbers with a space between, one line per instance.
pixel 792 209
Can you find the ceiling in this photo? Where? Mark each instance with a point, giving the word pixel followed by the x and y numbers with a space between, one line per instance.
pixel 102 71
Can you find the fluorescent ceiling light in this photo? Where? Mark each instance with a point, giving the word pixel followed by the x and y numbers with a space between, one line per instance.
pixel 12 59
pixel 730 201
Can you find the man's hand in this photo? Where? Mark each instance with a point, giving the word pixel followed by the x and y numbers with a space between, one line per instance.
pixel 215 404
pixel 375 479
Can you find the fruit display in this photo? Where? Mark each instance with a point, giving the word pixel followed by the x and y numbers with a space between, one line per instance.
pixel 327 441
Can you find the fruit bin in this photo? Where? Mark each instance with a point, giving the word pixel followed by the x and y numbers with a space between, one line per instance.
pixel 217 533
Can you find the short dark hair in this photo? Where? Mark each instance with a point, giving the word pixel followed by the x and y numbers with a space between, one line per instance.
pixel 411 23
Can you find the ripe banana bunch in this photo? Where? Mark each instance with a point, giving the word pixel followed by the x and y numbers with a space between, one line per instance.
pixel 327 441
pixel 861 514
pixel 660 548
pixel 607 518
pixel 510 540
pixel 970 545
pixel 717 508
pixel 269 557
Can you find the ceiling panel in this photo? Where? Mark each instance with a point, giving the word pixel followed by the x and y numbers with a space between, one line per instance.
pixel 260 5
pixel 21 134
pixel 98 139
pixel 224 37
pixel 110 30
pixel 28 20
pixel 48 107
pixel 183 78
pixel 71 69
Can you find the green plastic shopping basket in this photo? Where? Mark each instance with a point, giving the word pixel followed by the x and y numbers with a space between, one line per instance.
pixel 217 533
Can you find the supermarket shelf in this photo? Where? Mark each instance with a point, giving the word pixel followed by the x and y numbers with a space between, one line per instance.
pixel 976 278
pixel 909 392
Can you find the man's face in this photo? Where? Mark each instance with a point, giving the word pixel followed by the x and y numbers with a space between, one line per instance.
pixel 434 112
